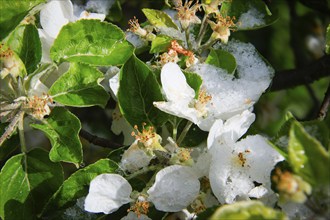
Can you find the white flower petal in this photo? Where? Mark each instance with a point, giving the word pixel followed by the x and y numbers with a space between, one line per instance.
pixel 46 43
pixel 55 15
pixel 175 85
pixel 230 131
pixel 174 189
pixel 107 192
pixel 235 168
pixel 120 125
pixel 179 109
pixel 114 85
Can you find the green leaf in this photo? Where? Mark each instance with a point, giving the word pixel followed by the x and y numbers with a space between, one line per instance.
pixel 194 81
pixel 62 128
pixel 10 60
pixel 25 41
pixel 327 46
pixel 159 18
pixel 160 44
pixel 116 13
pixel 27 181
pixel 222 59
pixel 80 87
pixel 13 12
pixel 76 186
pixel 236 8
pixel 194 137
pixel 137 91
pixel 247 210
pixel 93 42
pixel 307 157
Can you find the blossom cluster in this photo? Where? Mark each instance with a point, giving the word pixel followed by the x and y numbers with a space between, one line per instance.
pixel 225 168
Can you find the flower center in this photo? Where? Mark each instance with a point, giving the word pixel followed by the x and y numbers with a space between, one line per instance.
pixel 135 27
pixel 140 208
pixel 201 102
pixel 241 158
pixel 38 106
pixel 148 136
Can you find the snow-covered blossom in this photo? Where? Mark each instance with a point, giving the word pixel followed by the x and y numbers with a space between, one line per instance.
pixel 135 158
pixel 53 16
pixel 242 169
pixel 250 19
pixel 107 192
pixel 134 216
pixel 174 189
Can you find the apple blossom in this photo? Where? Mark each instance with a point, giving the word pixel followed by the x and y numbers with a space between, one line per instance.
pixel 107 192
pixel 174 189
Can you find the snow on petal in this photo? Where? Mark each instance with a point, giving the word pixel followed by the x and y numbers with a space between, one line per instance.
pixel 89 15
pixel 54 15
pixel 232 129
pixel 134 158
pixel 134 216
pixel 235 168
pixel 107 192
pixel 174 189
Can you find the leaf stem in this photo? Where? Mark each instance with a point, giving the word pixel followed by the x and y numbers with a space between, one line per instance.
pixel 202 31
pixel 184 132
pixel 186 32
pixel 21 132
pixel 142 171
pixel 10 128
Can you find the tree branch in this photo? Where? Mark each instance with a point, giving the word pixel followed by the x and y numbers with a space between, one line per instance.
pixel 325 104
pixel 295 77
pixel 102 142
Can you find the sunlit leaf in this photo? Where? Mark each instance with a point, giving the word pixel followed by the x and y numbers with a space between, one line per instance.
pixel 307 156
pixel 160 44
pixel 159 18
pixel 93 42
pixel 247 210
pixel 80 87
pixel 327 46
pixel 13 12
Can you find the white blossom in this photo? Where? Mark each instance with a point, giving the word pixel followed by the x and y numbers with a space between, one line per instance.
pixel 134 216
pixel 107 192
pixel 174 189
pixel 237 167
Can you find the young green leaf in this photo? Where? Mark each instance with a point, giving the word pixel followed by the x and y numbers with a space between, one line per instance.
pixel 93 42
pixel 79 87
pixel 307 156
pixel 247 210
pixel 253 14
pixel 76 186
pixel 62 128
pixel 160 44
pixel 222 59
pixel 137 91
pixel 25 41
pixel 27 181
pixel 159 18
pixel 194 81
pixel 13 12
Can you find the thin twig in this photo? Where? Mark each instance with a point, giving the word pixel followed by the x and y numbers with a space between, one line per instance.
pixel 202 30
pixel 10 129
pixel 102 142
pixel 295 77
pixel 325 104
pixel 184 132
